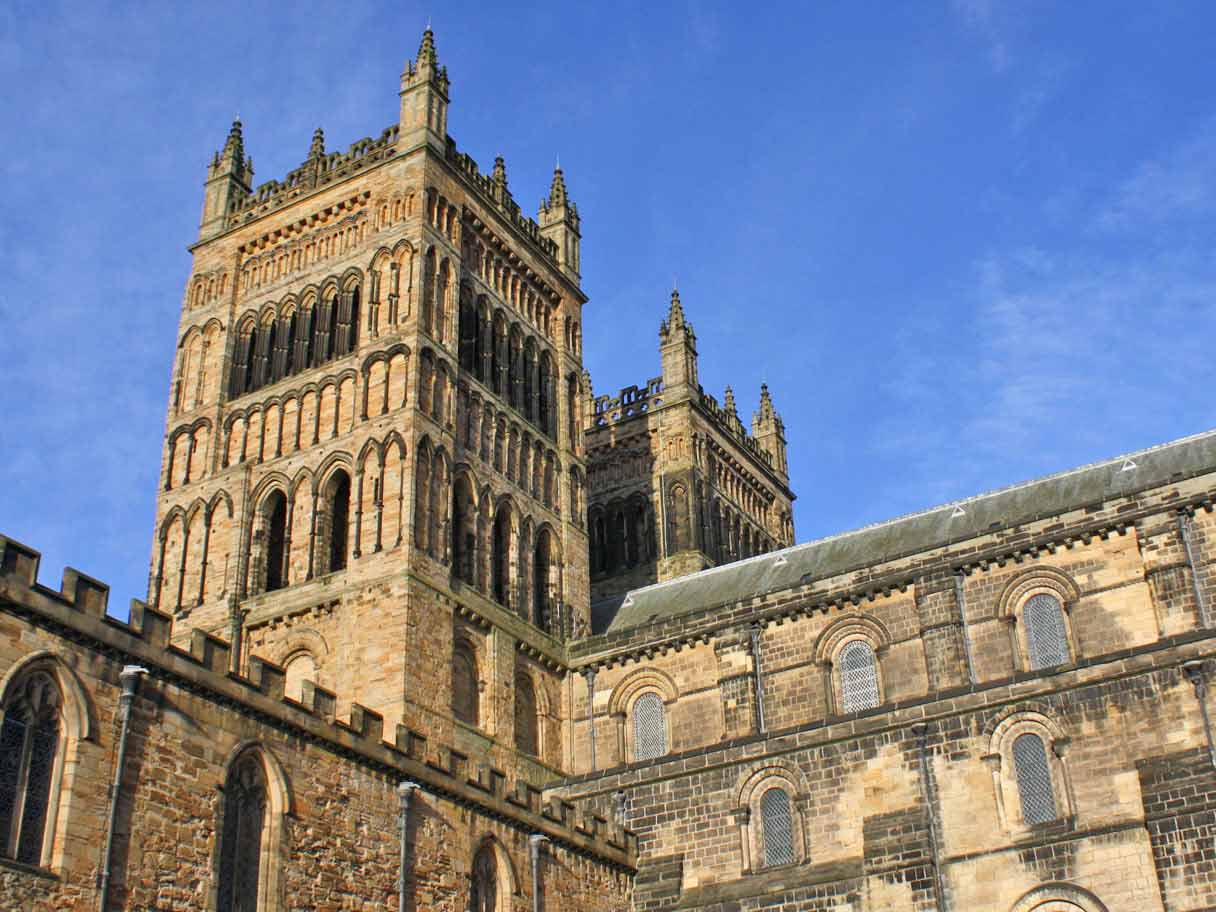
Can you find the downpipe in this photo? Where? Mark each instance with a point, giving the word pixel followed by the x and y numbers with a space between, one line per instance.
pixel 130 684
pixel 535 842
pixel 405 791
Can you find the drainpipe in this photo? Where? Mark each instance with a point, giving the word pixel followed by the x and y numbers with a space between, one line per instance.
pixel 960 602
pixel 921 730
pixel 758 678
pixel 405 791
pixel 236 624
pixel 130 683
pixel 535 841
pixel 1184 528
pixel 1194 674
pixel 589 674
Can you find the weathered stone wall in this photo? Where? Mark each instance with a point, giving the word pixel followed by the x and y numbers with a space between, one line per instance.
pixel 332 819
pixel 914 803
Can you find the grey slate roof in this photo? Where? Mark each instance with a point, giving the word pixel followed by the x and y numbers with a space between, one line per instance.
pixel 916 532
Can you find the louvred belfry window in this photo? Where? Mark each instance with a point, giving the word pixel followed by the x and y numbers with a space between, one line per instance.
pixel 1034 779
pixel 1046 639
pixel 858 677
pixel 29 746
pixel 241 839
pixel 777 825
pixel 649 727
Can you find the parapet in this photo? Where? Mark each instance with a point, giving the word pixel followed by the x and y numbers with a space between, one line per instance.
pixel 318 172
pixel 78 611
pixel 630 401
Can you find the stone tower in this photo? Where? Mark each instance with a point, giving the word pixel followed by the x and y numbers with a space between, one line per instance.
pixel 676 482
pixel 373 467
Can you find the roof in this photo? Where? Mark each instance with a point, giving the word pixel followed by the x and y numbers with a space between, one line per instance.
pixel 910 534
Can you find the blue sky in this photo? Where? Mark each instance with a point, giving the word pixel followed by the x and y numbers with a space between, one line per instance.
pixel 967 243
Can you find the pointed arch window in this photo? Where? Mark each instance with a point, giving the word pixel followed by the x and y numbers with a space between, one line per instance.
pixel 501 557
pixel 858 677
pixel 337 502
pixel 242 835
pixel 542 564
pixel 649 727
pixel 777 828
pixel 1046 635
pixel 484 889
pixel 30 738
pixel 1034 779
pixel 275 512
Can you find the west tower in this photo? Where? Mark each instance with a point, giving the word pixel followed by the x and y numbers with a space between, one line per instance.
pixel 373 467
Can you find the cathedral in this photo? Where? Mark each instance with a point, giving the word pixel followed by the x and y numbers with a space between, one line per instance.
pixel 431 625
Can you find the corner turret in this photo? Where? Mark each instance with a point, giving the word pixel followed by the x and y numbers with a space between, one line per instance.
pixel 769 432
pixel 229 181
pixel 424 98
pixel 678 349
pixel 559 221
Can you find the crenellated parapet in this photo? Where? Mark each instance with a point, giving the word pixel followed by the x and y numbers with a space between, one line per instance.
pixel 630 401
pixel 317 172
pixel 727 420
pixel 255 687
pixel 492 188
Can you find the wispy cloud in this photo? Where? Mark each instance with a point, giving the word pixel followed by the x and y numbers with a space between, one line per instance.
pixel 995 23
pixel 1179 184
pixel 1068 349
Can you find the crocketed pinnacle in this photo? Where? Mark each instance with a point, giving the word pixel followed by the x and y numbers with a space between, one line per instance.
pixel 499 174
pixel 766 404
pixel 317 149
pixel 675 316
pixel 427 55
pixel 730 401
pixel 557 189
pixel 234 146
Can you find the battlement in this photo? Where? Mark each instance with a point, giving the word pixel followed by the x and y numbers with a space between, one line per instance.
pixel 630 401
pixel 78 610
pixel 499 197
pixel 317 172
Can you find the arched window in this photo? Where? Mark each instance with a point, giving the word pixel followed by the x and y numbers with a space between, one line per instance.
pixel 544 416
pixel 1034 779
pixel 302 354
pixel 466 690
pixel 464 534
pixel 29 749
pixel 527 734
pixel 468 333
pixel 337 507
pixel 241 835
pixel 422 500
pixel 777 828
pixel 572 408
pixel 858 677
pixel 678 531
pixel 275 512
pixel 331 330
pixel 501 556
pixel 439 495
pixel 542 563
pixel 1046 637
pixel 484 889
pixel 649 727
